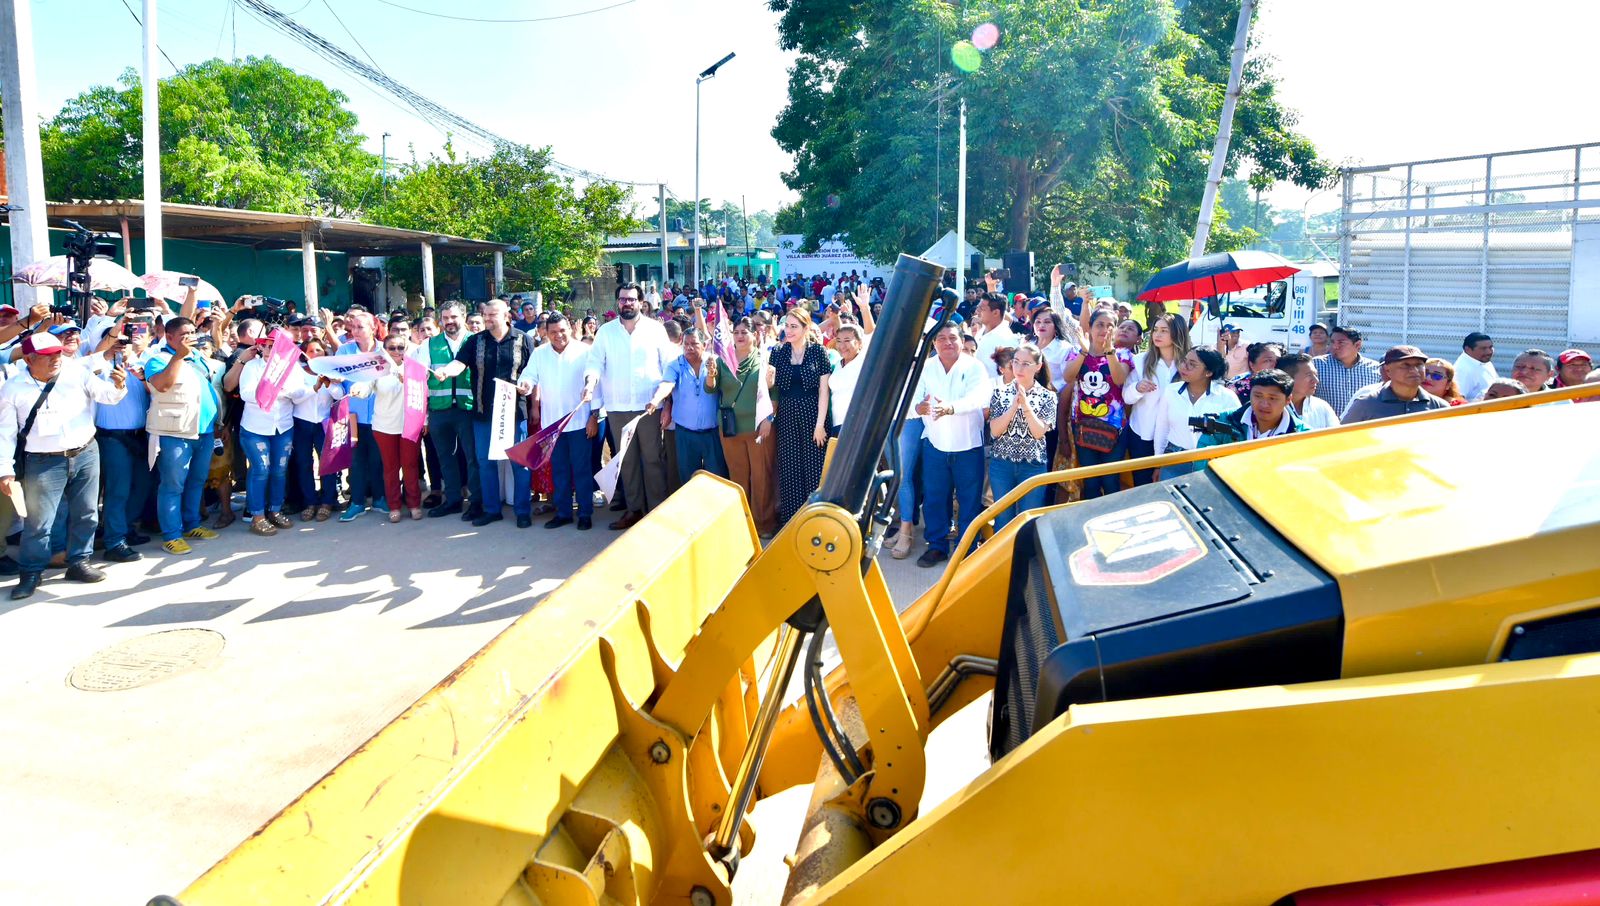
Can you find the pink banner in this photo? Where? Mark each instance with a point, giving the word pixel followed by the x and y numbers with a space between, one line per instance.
pixel 280 363
pixel 338 441
pixel 537 450
pixel 416 387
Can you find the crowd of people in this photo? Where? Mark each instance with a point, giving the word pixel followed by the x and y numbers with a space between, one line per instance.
pixel 148 420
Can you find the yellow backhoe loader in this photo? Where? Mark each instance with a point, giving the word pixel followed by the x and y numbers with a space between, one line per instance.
pixel 1344 667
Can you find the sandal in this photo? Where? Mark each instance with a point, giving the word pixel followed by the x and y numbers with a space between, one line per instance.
pixel 262 526
pixel 308 514
pixel 324 513
pixel 394 515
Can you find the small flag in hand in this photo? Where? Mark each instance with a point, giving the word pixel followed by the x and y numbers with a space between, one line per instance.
pixel 540 446
pixel 722 339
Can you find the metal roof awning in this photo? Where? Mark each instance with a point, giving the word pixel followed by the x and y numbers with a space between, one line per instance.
pixel 264 229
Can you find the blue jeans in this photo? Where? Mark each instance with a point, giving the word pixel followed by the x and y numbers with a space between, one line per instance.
pixel 570 476
pixel 307 445
pixel 183 466
pixel 699 450
pixel 123 458
pixel 1182 468
pixel 910 441
pixel 268 481
pixel 944 474
pixel 1105 484
pixel 366 470
pixel 1139 448
pixel 489 473
pixel 51 481
pixel 1005 475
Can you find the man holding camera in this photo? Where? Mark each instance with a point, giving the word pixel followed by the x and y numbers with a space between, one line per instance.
pixel 1266 414
pixel 183 417
pixel 121 439
pixel 47 447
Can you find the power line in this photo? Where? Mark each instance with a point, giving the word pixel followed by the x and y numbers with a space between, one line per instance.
pixel 424 12
pixel 430 111
pixel 141 25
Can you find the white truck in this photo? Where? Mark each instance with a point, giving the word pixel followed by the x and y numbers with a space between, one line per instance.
pixel 1507 244
pixel 1280 312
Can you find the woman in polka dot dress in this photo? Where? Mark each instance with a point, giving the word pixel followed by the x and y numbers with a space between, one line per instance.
pixel 800 370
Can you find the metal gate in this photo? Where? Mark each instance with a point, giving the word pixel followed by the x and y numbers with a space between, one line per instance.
pixel 1432 250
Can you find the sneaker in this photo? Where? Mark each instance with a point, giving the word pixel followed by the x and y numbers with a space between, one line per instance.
pixel 381 504
pixel 202 533
pixel 263 526
pixel 932 557
pixel 280 520
pixel 176 546
pixel 122 553
pixel 137 538
pixel 353 513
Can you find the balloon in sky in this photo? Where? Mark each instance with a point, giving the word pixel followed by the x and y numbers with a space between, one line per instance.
pixel 966 56
pixel 986 36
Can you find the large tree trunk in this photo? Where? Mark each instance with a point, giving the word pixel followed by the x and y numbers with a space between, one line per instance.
pixel 1019 219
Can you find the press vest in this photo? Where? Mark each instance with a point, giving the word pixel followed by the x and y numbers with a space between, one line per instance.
pixel 175 412
pixel 455 393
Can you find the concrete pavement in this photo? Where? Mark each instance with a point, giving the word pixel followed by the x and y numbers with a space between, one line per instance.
pixel 327 632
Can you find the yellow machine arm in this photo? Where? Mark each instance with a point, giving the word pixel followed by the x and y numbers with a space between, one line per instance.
pixel 607 746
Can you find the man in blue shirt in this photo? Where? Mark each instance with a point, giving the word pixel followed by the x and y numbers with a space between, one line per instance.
pixel 183 415
pixel 694 408
pixel 124 446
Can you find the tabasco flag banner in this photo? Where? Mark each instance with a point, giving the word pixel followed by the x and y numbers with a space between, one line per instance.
pixel 338 445
pixel 280 361
pixel 503 421
pixel 415 380
pixel 356 366
pixel 537 450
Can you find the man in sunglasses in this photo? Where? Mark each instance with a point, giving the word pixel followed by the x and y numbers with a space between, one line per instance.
pixel 1400 393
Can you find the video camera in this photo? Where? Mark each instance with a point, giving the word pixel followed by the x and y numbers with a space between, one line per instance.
pixel 271 311
pixel 82 246
pixel 1216 426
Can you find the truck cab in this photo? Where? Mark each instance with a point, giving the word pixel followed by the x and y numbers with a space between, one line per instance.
pixel 1279 312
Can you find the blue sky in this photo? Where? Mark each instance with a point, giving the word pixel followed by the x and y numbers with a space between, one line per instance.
pixel 1374 80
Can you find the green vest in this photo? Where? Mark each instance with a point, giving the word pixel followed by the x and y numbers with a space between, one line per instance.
pixel 455 393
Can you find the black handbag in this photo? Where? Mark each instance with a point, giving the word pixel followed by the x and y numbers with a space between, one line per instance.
pixel 725 416
pixel 22 436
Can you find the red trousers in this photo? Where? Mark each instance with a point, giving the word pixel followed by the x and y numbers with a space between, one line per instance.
pixel 401 456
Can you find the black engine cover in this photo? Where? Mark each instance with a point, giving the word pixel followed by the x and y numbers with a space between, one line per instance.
pixel 1164 589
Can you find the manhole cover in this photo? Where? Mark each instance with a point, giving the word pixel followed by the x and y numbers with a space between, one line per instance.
pixel 146 659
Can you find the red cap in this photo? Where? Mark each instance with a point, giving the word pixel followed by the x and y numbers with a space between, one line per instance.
pixel 1573 355
pixel 1020 297
pixel 40 344
pixel 10 308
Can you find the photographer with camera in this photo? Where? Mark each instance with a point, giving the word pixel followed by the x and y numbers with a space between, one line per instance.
pixel 1198 393
pixel 47 447
pixel 185 410
pixel 1267 414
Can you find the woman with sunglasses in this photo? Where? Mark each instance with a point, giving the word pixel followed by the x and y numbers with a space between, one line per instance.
pixel 402 458
pixel 1439 379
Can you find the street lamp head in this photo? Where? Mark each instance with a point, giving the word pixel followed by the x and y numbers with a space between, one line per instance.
pixel 712 69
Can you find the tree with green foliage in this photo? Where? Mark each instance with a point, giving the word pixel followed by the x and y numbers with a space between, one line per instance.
pixel 514 197
pixel 1090 124
pixel 250 134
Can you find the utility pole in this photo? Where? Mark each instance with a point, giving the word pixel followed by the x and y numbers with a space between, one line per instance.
pixel 744 217
pixel 385 177
pixel 709 73
pixel 661 189
pixel 961 204
pixel 1219 153
pixel 153 259
pixel 30 239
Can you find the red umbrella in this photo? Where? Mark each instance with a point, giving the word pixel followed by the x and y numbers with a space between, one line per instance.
pixel 1213 275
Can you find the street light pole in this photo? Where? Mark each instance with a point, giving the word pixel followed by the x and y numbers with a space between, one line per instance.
pixel 385 178
pixel 709 73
